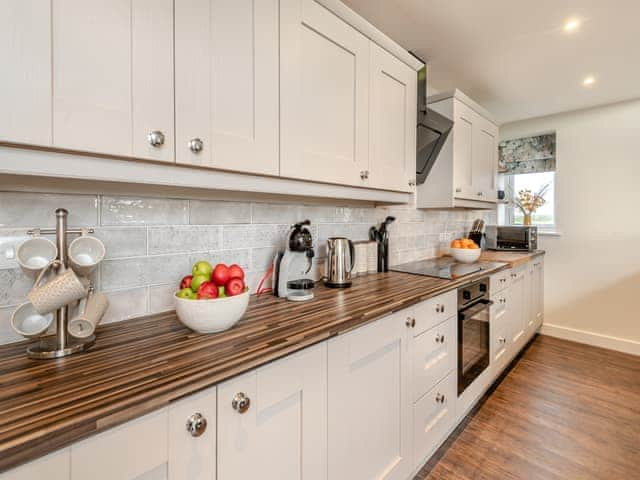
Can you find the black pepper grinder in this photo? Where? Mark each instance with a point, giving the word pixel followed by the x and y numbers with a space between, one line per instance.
pixel 381 236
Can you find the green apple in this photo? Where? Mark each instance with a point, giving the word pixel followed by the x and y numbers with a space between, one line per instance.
pixel 221 292
pixel 202 268
pixel 197 280
pixel 187 293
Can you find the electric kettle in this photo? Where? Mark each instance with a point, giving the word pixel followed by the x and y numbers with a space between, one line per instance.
pixel 340 262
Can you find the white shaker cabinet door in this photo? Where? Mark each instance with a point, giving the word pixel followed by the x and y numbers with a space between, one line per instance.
pixel 484 159
pixel 136 450
pixel 113 77
pixel 227 84
pixel 324 96
pixel 463 126
pixel 392 154
pixel 272 420
pixel 192 437
pixel 52 467
pixel 25 82
pixel 370 402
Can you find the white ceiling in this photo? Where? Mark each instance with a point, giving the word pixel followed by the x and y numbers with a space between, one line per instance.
pixel 513 56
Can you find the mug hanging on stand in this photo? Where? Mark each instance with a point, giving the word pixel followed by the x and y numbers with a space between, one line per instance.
pixel 85 253
pixel 64 288
pixel 26 321
pixel 35 254
pixel 90 312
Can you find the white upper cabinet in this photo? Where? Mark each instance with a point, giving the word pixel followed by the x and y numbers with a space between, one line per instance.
pixel 370 402
pixel 113 77
pixel 393 118
pixel 227 84
pixel 25 82
pixel 272 420
pixel 324 96
pixel 465 172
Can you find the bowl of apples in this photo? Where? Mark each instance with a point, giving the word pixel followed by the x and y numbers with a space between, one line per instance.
pixel 212 299
pixel 465 250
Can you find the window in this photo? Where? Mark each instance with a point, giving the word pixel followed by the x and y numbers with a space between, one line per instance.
pixel 544 216
pixel 529 163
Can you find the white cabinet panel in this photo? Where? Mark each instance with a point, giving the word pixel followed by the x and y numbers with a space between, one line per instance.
pixel 25 83
pixel 112 76
pixel 463 151
pixel 485 149
pixel 135 449
pixel 499 281
pixel 434 311
pixel 517 310
pixel 433 417
pixel 282 435
pixel 52 467
pixel 193 457
pixel 227 83
pixel 370 433
pixel 392 155
pixel 324 95
pixel 434 356
pixel 499 330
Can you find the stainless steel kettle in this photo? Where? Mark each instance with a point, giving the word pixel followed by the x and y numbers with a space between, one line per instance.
pixel 340 262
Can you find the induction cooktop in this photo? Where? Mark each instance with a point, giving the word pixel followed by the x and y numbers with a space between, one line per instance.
pixel 444 267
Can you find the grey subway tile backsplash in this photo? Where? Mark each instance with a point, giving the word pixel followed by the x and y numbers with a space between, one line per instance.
pixel 21 209
pixel 143 211
pixel 152 243
pixel 184 238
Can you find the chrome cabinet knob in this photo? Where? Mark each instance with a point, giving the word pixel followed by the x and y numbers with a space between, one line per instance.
pixel 155 138
pixel 439 338
pixel 458 190
pixel 196 145
pixel 364 174
pixel 480 194
pixel 440 398
pixel 412 183
pixel 240 402
pixel 411 322
pixel 196 424
pixel 502 340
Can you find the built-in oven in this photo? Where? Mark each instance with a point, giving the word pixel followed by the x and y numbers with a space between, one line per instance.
pixel 473 332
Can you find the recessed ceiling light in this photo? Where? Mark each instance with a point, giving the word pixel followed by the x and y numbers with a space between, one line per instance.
pixel 571 25
pixel 589 81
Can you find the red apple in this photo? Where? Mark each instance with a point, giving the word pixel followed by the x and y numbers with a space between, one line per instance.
pixel 186 282
pixel 235 286
pixel 236 271
pixel 207 290
pixel 220 275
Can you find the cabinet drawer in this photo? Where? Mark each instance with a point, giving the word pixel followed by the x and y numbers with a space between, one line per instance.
pixel 500 281
pixel 433 417
pixel 434 311
pixel 434 356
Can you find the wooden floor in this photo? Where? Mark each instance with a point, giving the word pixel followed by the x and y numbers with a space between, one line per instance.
pixel 564 411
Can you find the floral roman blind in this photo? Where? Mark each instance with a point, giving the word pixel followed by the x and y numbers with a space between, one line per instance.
pixel 528 155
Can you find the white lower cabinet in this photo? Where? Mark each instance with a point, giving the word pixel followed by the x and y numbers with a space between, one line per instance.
pixel 272 420
pixel 433 417
pixel 52 467
pixel 369 410
pixel 499 315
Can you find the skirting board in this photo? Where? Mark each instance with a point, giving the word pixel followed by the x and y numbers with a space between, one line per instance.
pixel 591 338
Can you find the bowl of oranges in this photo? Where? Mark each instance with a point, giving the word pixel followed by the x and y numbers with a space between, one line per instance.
pixel 465 250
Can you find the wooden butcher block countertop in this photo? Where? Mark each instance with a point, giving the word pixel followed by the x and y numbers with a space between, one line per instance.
pixel 142 365
pixel 514 259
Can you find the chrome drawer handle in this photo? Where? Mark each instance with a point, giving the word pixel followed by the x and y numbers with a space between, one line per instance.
pixel 196 424
pixel 440 398
pixel 196 145
pixel 155 138
pixel 241 402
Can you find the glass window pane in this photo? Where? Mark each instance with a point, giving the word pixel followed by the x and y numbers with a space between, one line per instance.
pixel 545 215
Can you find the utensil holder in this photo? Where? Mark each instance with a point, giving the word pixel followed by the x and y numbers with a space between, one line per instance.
pixel 62 343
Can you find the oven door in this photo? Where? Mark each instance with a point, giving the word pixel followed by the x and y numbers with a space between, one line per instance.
pixel 473 342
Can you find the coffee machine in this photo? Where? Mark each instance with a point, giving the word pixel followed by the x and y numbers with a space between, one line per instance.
pixel 291 266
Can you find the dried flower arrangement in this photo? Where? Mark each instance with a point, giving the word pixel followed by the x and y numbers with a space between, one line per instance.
pixel 528 202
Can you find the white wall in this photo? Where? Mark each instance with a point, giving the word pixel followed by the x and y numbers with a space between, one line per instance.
pixel 592 271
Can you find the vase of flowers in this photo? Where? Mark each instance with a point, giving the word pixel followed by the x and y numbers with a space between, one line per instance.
pixel 528 202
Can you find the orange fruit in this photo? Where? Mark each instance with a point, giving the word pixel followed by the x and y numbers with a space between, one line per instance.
pixel 456 244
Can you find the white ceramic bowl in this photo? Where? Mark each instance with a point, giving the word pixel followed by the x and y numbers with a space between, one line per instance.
pixel 466 255
pixel 210 316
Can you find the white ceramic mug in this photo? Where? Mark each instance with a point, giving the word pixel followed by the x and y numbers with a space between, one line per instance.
pixel 85 253
pixel 90 312
pixel 35 254
pixel 26 321
pixel 62 289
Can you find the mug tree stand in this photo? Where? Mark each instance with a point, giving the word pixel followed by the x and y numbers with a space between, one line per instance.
pixel 61 344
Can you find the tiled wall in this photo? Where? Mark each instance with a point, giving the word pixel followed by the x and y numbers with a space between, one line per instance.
pixel 151 242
